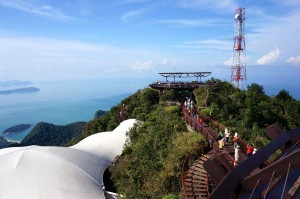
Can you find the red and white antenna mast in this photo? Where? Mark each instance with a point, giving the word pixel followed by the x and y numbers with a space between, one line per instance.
pixel 238 70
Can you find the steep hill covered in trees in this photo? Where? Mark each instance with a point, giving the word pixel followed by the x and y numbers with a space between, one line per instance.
pixel 151 162
pixel 45 134
pixel 150 166
pixel 248 111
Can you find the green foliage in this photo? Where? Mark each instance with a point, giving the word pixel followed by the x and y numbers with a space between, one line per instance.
pixel 99 113
pixel 137 106
pixel 249 112
pixel 170 196
pixel 169 95
pixel 151 163
pixel 45 134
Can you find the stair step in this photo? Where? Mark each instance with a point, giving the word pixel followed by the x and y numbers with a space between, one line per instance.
pixel 198 177
pixel 199 173
pixel 201 184
pixel 198 165
pixel 189 189
pixel 188 179
pixel 198 181
pixel 200 169
pixel 187 184
pixel 200 189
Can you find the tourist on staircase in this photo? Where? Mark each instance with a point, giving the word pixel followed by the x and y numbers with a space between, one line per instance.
pixel 236 155
pixel 249 150
pixel 221 135
pixel 226 135
pixel 254 151
pixel 221 144
pixel 235 140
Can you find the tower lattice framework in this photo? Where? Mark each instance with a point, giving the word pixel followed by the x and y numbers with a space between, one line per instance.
pixel 238 70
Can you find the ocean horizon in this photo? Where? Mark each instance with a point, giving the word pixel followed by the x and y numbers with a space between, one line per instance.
pixel 62 103
pixel 59 105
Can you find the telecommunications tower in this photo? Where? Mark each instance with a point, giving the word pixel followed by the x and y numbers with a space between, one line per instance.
pixel 238 70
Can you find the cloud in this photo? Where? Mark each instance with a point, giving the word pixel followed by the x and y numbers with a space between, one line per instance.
pixel 267 30
pixel 132 14
pixel 142 65
pixel 44 10
pixel 167 62
pixel 209 4
pixel 189 22
pixel 210 44
pixel 228 62
pixel 293 60
pixel 270 57
pixel 287 2
pixel 42 58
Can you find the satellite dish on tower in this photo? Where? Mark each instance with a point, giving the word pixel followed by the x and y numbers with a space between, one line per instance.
pixel 236 15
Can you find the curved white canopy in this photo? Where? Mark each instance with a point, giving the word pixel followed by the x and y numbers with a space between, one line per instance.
pixel 37 172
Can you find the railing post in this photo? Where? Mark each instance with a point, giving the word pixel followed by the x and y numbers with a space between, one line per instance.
pixel 287 175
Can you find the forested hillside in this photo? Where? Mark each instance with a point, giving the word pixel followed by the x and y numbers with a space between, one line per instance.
pixel 248 111
pixel 151 163
pixel 45 134
pixel 150 166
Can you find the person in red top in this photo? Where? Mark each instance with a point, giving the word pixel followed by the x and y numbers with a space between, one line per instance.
pixel 249 150
pixel 200 121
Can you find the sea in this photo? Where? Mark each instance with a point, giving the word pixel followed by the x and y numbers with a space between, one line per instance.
pixel 64 102
pixel 58 103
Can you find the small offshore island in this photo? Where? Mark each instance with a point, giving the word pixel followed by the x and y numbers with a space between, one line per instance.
pixel 20 90
pixel 17 128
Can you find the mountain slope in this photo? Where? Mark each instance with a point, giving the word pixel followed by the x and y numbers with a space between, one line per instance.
pixel 45 134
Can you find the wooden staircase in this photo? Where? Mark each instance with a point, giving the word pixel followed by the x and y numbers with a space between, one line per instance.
pixel 196 180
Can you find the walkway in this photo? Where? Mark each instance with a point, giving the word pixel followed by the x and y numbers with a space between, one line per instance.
pixel 213 174
pixel 205 173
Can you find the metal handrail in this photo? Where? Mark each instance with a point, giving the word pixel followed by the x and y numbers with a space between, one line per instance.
pixel 287 175
pixel 190 120
pixel 243 144
pixel 230 157
pixel 186 115
pixel 269 184
pixel 254 188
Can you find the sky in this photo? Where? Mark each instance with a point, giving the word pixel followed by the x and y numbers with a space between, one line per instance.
pixel 50 40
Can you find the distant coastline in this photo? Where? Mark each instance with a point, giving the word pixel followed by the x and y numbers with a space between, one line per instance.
pixel 20 90
pixel 16 128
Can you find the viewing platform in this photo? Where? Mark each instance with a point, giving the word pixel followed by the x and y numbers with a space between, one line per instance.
pixel 173 84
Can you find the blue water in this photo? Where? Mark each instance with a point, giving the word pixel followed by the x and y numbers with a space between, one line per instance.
pixel 58 103
pixel 65 102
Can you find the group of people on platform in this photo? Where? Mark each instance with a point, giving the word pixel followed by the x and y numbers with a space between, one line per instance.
pixel 224 137
pixel 189 104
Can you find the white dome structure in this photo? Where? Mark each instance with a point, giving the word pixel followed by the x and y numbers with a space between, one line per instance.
pixel 37 172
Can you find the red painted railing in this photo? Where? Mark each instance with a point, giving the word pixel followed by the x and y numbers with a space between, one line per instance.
pixel 243 145
pixel 184 165
pixel 196 125
pixel 199 129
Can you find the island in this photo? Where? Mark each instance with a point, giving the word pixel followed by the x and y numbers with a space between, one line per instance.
pixel 5 143
pixel 17 128
pixel 20 90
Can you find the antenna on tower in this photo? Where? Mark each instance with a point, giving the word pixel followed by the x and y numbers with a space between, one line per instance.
pixel 238 70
